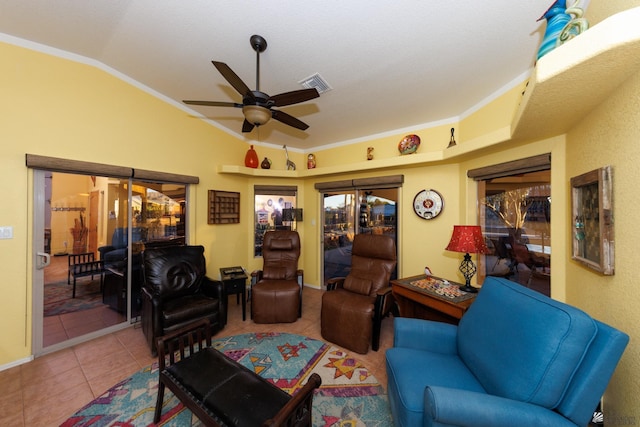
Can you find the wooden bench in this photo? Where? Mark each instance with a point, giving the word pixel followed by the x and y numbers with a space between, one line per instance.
pixel 83 265
pixel 220 391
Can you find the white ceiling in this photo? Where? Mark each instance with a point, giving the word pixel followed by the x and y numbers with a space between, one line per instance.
pixel 393 66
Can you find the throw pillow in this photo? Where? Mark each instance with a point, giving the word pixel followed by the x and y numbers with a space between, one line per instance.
pixel 357 285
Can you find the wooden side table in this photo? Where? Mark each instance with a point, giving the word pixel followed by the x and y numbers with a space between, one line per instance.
pixel 235 282
pixel 420 303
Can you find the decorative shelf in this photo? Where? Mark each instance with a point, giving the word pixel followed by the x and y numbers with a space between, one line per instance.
pixel 224 207
pixel 565 86
pixel 574 78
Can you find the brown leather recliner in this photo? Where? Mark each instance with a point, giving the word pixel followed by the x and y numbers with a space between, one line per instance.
pixel 276 291
pixel 353 307
pixel 177 292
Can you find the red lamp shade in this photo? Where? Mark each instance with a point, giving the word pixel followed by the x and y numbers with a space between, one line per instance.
pixel 467 239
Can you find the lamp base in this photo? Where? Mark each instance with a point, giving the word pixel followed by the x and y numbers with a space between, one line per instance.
pixel 468 269
pixel 468 288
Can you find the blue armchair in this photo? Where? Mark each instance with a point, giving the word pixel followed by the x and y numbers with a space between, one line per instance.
pixel 516 358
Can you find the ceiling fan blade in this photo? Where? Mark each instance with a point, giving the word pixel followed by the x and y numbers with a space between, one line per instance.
pixel 247 126
pixel 294 97
pixel 214 103
pixel 233 79
pixel 287 119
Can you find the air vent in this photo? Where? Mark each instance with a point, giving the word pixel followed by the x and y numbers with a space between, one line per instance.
pixel 316 81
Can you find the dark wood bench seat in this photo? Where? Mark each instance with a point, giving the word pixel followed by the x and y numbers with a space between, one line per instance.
pixel 220 391
pixel 84 265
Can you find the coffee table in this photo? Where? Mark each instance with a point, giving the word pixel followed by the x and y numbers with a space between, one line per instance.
pixel 442 304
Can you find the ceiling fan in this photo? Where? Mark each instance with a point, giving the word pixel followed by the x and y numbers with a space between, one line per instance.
pixel 257 106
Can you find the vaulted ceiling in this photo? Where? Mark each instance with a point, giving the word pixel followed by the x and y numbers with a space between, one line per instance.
pixel 392 66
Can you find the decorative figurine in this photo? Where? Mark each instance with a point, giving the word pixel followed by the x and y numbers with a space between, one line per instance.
pixel 290 165
pixel 409 144
pixel 266 164
pixel 311 161
pixel 452 141
pixel 369 153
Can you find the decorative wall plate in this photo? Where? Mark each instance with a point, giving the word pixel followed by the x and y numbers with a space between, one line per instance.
pixel 428 204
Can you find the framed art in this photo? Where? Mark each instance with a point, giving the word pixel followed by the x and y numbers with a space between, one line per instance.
pixel 593 220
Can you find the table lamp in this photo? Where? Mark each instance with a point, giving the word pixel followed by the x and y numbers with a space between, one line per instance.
pixel 468 240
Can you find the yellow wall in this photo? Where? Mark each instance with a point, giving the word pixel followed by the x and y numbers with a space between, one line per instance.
pixel 609 136
pixel 60 108
pixel 55 107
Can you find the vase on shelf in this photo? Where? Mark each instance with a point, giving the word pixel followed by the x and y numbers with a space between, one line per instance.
pixel 251 158
pixel 557 18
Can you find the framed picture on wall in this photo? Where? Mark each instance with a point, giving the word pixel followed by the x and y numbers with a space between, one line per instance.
pixel 593 220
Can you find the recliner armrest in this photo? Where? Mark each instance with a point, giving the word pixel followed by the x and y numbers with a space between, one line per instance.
pixel 425 335
pixel 212 288
pixel 449 406
pixel 335 283
pixel 256 276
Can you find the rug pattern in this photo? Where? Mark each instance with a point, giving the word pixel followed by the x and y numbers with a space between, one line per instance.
pixel 58 296
pixel 350 396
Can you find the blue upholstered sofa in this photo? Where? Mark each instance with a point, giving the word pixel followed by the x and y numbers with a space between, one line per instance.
pixel 517 358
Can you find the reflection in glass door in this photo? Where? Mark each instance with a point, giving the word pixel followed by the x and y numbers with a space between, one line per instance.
pixel 347 213
pixel 83 224
pixel 516 219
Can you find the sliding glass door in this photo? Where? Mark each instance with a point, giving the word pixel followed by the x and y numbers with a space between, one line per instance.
pixel 351 212
pixel 87 276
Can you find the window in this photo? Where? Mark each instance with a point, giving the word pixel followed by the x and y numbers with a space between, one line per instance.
pixel 275 209
pixel 514 202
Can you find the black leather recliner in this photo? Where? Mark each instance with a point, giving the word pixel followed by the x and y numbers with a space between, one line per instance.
pixel 176 292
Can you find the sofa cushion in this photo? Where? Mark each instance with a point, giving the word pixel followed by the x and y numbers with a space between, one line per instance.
pixel 274 273
pixel 187 308
pixel 522 345
pixel 407 379
pixel 357 285
pixel 281 245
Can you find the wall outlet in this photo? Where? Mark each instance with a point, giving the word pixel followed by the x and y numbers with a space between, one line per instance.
pixel 6 232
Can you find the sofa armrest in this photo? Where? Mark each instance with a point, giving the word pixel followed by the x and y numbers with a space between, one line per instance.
pixel 455 407
pixel 335 283
pixel 425 335
pixel 212 288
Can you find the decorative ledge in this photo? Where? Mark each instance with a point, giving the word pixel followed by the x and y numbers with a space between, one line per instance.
pixel 573 79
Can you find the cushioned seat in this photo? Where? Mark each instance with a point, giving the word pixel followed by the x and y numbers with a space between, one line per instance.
pixel 176 291
pixel 517 358
pixel 353 306
pixel 183 310
pixel 222 392
pixel 276 291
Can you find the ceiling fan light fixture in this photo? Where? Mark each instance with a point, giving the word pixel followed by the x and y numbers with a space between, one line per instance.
pixel 256 114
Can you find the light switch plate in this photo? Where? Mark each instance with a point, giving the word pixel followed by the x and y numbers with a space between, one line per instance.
pixel 6 232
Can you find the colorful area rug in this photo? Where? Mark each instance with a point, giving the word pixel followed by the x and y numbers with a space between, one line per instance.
pixel 349 394
pixel 57 296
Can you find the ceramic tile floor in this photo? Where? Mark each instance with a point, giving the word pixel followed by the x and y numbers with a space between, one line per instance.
pixel 50 389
